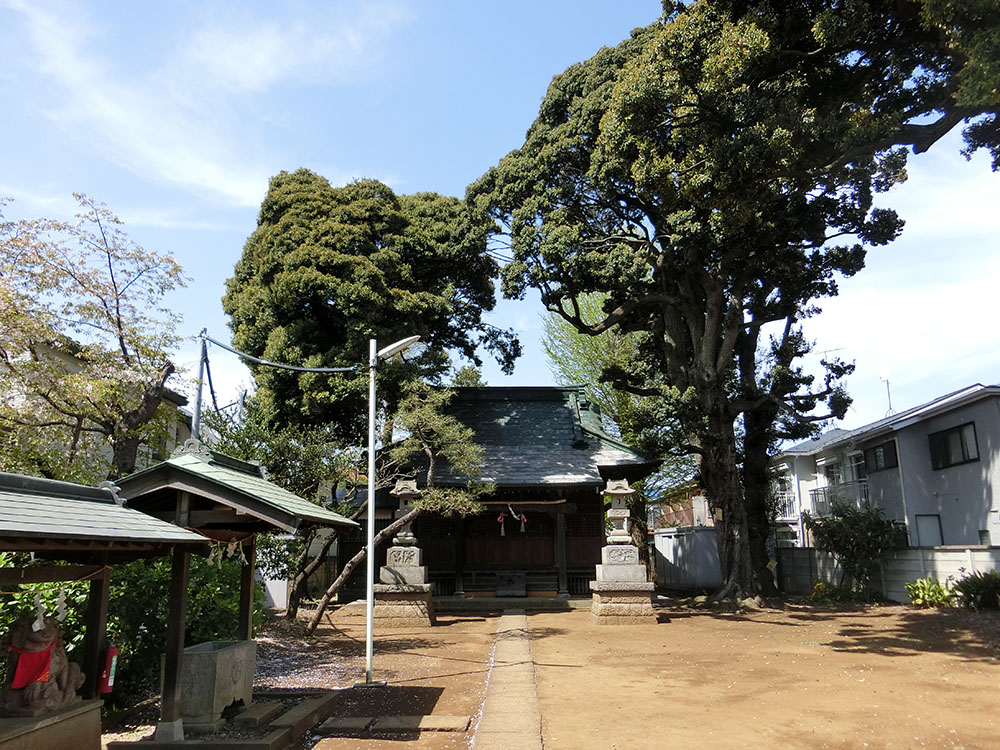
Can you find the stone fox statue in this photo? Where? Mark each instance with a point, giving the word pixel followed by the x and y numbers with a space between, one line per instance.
pixel 39 676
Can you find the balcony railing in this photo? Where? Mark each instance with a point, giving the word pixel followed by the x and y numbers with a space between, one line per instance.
pixel 788 508
pixel 851 493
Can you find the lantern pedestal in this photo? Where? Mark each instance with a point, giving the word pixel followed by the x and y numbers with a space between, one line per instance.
pixel 404 596
pixel 621 593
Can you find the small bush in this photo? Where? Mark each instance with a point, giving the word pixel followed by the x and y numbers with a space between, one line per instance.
pixel 827 593
pixel 927 592
pixel 979 590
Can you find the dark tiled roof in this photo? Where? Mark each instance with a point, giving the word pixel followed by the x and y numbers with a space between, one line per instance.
pixel 541 437
pixel 47 509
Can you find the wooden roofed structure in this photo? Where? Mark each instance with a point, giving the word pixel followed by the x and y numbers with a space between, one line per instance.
pixel 226 501
pixel 91 529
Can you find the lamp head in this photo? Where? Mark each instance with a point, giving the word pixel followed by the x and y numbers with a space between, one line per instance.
pixel 397 347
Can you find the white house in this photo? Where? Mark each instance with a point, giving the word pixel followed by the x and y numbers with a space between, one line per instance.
pixel 934 468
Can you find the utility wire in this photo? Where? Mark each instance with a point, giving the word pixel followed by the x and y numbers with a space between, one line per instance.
pixel 251 358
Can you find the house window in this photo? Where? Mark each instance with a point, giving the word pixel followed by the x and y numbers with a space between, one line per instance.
pixel 954 446
pixel 857 464
pixel 882 456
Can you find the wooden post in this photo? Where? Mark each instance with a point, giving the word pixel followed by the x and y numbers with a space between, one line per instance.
pixel 170 707
pixel 560 553
pixel 459 530
pixel 245 628
pixel 95 635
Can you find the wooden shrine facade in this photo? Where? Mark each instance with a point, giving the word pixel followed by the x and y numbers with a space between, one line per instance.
pixel 549 457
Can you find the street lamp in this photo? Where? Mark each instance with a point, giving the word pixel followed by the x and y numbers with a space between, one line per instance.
pixel 374 357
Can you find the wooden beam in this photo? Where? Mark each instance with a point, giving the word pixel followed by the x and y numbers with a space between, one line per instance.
pixel 245 627
pixel 560 555
pixel 95 634
pixel 46 574
pixel 170 705
pixel 198 518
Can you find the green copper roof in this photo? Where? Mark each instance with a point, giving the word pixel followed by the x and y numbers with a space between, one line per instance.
pixel 237 479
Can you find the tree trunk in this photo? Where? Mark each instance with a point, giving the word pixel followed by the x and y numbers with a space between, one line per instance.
pixel 721 478
pixel 639 529
pixel 125 454
pixel 353 563
pixel 757 489
pixel 304 568
pixel 124 431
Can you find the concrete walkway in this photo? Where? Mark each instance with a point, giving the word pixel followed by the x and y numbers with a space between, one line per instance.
pixel 510 717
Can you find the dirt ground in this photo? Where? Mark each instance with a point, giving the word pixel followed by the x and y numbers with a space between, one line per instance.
pixel 888 677
pixel 801 677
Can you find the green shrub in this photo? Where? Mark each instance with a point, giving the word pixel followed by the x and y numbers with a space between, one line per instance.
pixel 979 590
pixel 137 614
pixel 860 539
pixel 19 601
pixel 927 592
pixel 828 593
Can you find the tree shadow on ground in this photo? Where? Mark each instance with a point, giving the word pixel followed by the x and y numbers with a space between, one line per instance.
pixel 387 700
pixel 970 636
pixel 889 631
pixel 721 612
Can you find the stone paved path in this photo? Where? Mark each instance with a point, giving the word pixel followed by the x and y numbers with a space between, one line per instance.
pixel 510 719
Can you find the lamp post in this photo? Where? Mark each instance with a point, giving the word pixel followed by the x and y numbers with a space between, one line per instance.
pixel 374 357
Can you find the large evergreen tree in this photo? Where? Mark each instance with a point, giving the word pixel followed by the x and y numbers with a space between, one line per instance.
pixel 330 267
pixel 714 176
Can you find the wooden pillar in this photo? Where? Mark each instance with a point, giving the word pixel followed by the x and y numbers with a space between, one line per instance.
pixel 560 553
pixel 459 529
pixel 244 630
pixel 170 707
pixel 95 635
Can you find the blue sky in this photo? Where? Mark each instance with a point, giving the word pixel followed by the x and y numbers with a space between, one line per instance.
pixel 177 114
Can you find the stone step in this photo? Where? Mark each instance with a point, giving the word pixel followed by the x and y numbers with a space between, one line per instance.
pixel 306 714
pixel 354 725
pixel 257 714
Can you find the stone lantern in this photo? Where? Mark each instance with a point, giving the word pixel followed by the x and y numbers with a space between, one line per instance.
pixel 621 593
pixel 405 491
pixel 403 595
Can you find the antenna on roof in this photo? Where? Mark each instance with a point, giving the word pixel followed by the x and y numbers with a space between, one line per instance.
pixel 885 379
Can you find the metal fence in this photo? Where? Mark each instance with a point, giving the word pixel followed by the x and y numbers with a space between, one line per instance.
pixel 851 493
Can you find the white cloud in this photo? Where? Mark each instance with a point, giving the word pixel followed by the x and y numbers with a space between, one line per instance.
pixel 324 43
pixel 183 122
pixel 924 309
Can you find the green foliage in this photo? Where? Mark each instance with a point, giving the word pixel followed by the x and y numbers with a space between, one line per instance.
pixel 827 593
pixel 979 590
pixel 19 601
pixel 701 178
pixel 468 377
pixel 328 268
pixel 860 538
pixel 928 592
pixel 84 336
